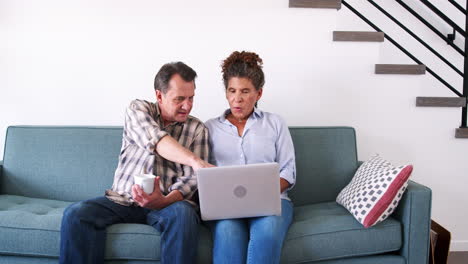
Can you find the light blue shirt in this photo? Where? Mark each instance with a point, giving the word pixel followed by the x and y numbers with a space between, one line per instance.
pixel 265 138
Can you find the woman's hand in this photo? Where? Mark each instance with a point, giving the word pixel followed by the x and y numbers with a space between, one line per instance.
pixel 284 184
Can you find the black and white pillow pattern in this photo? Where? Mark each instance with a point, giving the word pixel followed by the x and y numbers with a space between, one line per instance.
pixel 375 190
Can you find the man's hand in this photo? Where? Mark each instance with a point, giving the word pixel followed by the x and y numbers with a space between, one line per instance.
pixel 155 200
pixel 198 163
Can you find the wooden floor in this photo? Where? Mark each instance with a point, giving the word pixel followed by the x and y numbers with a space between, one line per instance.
pixel 458 257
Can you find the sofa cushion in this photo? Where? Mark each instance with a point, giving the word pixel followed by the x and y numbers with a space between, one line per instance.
pixel 31 227
pixel 375 190
pixel 78 163
pixel 60 163
pixel 326 160
pixel 327 231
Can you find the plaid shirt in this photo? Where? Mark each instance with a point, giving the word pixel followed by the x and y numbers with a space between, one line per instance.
pixel 142 131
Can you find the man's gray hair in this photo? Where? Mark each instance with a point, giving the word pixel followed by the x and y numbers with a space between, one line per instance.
pixel 164 75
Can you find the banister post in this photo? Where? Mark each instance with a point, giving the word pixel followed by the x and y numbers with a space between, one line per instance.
pixel 465 77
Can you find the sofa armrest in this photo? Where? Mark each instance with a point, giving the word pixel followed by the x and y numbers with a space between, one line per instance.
pixel 414 213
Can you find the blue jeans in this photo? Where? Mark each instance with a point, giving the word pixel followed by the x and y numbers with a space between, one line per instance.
pixel 83 231
pixel 251 240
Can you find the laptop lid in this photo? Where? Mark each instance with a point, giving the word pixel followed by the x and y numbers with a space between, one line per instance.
pixel 239 191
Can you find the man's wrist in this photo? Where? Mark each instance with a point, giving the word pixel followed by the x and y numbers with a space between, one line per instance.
pixel 165 201
pixel 193 161
pixel 172 197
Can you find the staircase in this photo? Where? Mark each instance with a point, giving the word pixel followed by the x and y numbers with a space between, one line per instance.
pixel 333 4
pixel 403 69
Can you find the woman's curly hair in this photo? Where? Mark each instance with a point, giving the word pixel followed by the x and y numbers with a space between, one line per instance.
pixel 244 65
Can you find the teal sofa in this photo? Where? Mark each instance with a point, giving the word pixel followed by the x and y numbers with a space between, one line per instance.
pixel 47 168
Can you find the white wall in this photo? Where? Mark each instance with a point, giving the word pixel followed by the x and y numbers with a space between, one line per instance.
pixel 81 62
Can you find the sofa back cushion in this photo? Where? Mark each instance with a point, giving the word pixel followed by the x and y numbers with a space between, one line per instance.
pixel 326 159
pixel 77 163
pixel 63 163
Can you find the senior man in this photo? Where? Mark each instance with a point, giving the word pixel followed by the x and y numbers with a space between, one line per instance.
pixel 159 138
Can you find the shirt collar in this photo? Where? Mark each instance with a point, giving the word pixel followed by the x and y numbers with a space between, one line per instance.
pixel 160 120
pixel 257 113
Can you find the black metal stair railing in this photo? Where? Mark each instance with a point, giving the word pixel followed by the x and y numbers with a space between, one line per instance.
pixel 458 6
pixel 444 17
pixel 449 39
pixel 416 37
pixel 465 79
pixel 401 48
pixel 463 33
pixel 431 27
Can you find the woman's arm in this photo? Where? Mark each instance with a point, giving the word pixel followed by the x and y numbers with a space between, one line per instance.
pixel 285 156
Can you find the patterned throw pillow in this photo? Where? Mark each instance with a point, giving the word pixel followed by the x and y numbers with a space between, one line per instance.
pixel 375 190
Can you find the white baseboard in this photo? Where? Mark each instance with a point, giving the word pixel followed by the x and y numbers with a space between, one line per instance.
pixel 459 245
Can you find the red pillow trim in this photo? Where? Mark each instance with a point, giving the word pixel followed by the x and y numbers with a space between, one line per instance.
pixel 384 202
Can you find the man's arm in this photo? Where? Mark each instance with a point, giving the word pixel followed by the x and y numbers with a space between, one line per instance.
pixel 185 185
pixel 144 131
pixel 140 127
pixel 171 150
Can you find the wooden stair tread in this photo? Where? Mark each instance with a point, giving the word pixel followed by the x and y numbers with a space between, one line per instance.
pixel 441 101
pixel 400 69
pixel 367 36
pixel 335 4
pixel 461 133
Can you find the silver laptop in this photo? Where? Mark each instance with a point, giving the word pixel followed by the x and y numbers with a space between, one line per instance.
pixel 239 191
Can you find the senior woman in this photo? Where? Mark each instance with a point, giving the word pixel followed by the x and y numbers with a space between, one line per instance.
pixel 244 134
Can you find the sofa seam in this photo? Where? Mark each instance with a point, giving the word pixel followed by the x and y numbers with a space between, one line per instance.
pixel 429 225
pixel 15 254
pixel 68 127
pixel 322 127
pixel 355 148
pixel 4 150
pixel 324 233
pixel 58 231
pixel 410 224
pixel 347 256
pixel 429 222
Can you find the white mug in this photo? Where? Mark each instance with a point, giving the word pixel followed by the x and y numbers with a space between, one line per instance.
pixel 146 182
